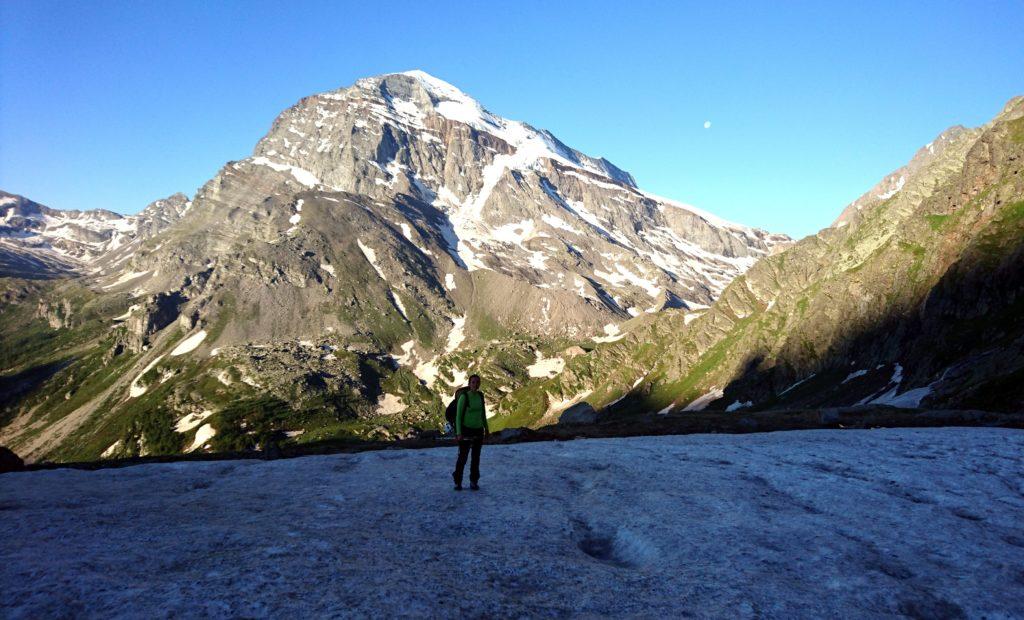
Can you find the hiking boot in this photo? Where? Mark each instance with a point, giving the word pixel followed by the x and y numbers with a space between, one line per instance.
pixel 458 487
pixel 474 486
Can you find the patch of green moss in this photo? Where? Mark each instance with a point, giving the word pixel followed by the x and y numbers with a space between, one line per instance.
pixel 1002 233
pixel 917 252
pixel 125 420
pixel 709 363
pixel 1013 212
pixel 388 328
pixel 937 222
pixel 524 407
pixel 1016 127
pixel 912 248
pixel 225 314
pixel 489 328
pixel 423 327
pixel 83 381
pixel 155 428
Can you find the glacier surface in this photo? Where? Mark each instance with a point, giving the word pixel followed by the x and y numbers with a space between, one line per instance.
pixel 918 522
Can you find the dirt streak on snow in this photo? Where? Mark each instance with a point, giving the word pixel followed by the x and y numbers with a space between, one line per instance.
pixel 829 523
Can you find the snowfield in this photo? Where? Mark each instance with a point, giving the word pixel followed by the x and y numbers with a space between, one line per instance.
pixel 916 522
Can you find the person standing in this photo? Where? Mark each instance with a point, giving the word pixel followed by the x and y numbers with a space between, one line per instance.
pixel 470 430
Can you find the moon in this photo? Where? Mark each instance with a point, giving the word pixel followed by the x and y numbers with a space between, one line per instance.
pixel 707 124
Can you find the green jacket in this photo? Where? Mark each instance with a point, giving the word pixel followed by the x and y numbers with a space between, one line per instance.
pixel 469 411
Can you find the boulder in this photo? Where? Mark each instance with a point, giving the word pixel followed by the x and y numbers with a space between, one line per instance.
pixel 747 423
pixel 9 461
pixel 508 434
pixel 580 413
pixel 573 351
pixel 829 415
pixel 272 451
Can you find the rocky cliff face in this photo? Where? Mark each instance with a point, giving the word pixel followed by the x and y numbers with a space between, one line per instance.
pixel 383 241
pixel 911 299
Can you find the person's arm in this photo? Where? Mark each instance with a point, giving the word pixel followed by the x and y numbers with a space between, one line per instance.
pixel 483 410
pixel 460 410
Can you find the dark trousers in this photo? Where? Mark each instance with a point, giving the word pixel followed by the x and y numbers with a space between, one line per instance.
pixel 472 439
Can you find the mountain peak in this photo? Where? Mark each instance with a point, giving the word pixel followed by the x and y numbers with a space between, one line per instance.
pixel 499 195
pixel 407 98
pixel 436 85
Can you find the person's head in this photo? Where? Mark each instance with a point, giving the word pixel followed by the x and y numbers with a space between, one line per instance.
pixel 474 382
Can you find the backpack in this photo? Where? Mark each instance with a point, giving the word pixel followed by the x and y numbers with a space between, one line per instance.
pixel 452 409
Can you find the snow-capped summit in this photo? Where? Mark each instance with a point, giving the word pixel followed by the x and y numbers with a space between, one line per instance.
pixel 516 200
pixel 531 145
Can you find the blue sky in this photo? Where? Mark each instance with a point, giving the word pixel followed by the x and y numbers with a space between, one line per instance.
pixel 114 104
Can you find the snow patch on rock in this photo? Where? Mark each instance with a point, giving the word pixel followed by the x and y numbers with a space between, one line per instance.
pixel 701 402
pixel 304 177
pixel 853 375
pixel 189 344
pixel 136 390
pixel 456 335
pixel 398 304
pixel 371 257
pixel 191 421
pixel 124 278
pixel 390 404
pixel 545 367
pixel 612 334
pixel 109 452
pixel 203 435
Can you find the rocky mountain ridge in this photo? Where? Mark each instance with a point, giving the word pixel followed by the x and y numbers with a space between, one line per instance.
pixel 382 242
pixel 911 299
pixel 478 192
pixel 39 242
